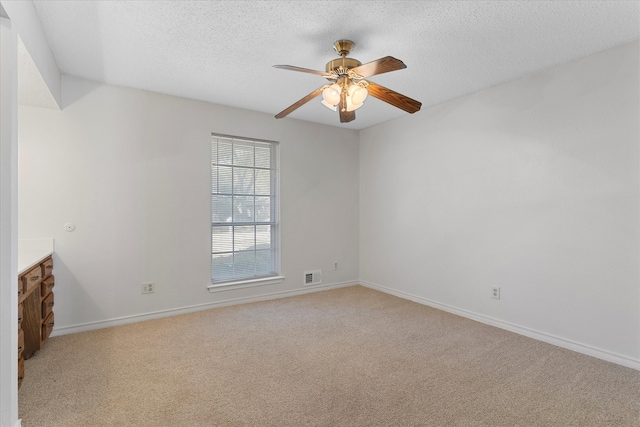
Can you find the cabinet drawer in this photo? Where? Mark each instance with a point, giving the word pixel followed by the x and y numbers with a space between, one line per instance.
pixel 20 370
pixel 46 286
pixel 20 341
pixel 47 305
pixel 20 314
pixel 31 278
pixel 47 267
pixel 47 327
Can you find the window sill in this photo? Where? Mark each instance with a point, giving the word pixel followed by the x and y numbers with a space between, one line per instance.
pixel 241 284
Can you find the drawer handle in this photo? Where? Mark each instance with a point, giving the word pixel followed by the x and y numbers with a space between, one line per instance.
pixel 19 319
pixel 50 325
pixel 34 278
pixel 19 348
pixel 50 304
pixel 20 378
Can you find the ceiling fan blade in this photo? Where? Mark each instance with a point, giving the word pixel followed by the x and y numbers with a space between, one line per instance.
pixel 345 116
pixel 379 66
pixel 300 103
pixel 305 70
pixel 394 98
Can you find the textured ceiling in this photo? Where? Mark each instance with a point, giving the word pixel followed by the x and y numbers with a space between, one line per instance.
pixel 223 51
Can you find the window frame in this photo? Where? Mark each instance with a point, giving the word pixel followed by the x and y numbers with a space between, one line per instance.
pixel 251 281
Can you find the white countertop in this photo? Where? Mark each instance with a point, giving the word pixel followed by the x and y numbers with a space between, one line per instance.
pixel 32 252
pixel 27 259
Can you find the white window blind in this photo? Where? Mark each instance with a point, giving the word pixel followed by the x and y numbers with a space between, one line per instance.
pixel 243 209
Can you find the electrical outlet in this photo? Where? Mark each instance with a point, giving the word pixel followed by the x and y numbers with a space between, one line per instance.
pixel 148 288
pixel 335 265
pixel 495 292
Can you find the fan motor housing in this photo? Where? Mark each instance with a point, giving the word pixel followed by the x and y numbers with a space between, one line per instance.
pixel 344 63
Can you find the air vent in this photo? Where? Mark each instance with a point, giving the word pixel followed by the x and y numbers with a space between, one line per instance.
pixel 312 277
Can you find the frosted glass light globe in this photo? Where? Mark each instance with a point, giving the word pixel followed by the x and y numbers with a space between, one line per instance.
pixel 357 94
pixel 331 94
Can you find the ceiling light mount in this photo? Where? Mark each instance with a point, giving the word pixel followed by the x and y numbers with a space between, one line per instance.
pixel 343 47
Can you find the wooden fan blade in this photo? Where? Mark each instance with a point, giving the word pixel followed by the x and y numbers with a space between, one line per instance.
pixel 300 103
pixel 394 98
pixel 345 116
pixel 305 70
pixel 379 66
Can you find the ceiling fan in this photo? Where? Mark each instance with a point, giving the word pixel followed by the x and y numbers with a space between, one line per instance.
pixel 347 88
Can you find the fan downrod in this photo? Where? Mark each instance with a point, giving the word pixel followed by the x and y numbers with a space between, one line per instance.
pixel 341 66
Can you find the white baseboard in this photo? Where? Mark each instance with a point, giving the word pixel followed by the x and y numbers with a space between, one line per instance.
pixel 537 335
pixel 89 326
pixel 540 336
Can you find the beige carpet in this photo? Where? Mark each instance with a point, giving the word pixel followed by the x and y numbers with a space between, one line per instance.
pixel 346 357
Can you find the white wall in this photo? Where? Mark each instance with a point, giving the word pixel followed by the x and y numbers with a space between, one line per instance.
pixel 19 22
pixel 8 223
pixel 26 22
pixel 131 169
pixel 532 186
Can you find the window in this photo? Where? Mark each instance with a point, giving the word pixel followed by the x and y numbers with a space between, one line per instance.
pixel 244 225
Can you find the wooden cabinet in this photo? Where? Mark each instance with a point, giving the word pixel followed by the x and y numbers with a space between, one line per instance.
pixel 35 310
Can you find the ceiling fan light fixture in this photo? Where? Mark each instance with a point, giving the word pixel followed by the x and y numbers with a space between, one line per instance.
pixel 357 94
pixel 351 106
pixel 329 106
pixel 331 94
